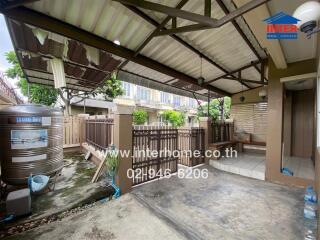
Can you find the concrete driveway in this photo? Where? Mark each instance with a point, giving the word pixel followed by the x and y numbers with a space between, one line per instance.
pixel 224 206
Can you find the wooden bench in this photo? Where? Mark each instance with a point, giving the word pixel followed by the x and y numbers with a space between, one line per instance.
pixel 255 147
pixel 218 146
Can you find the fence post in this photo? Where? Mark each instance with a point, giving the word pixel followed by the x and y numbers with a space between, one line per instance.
pixel 123 142
pixel 205 123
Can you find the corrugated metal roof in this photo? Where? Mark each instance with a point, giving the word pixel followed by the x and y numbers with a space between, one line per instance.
pixel 113 21
pixel 224 44
pixel 81 72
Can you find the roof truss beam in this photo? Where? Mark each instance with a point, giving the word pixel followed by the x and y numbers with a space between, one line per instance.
pixel 5 4
pixel 205 20
pixel 233 72
pixel 156 31
pixel 50 80
pixel 207 8
pixel 188 28
pixel 239 30
pixel 178 39
pixel 163 83
pixel 246 80
pixel 48 57
pixel 197 27
pixel 80 80
pixel 48 23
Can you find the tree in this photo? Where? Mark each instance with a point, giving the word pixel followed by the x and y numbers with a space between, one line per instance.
pixel 176 119
pixel 219 109
pixel 140 117
pixel 110 89
pixel 48 95
pixel 39 94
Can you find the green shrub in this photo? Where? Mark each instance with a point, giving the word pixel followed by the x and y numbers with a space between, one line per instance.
pixel 176 119
pixel 140 117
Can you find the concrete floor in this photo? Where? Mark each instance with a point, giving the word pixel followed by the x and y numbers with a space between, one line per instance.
pixel 73 188
pixel 245 164
pixel 122 219
pixel 224 206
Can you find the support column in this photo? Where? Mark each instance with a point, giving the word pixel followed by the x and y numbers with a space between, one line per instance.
pixel 123 142
pixel 275 137
pixel 205 123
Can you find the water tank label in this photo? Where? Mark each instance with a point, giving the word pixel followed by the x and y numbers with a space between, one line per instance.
pixel 44 121
pixel 28 119
pixel 25 139
pixel 29 159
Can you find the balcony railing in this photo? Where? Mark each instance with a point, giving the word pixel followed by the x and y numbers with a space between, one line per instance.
pixel 7 91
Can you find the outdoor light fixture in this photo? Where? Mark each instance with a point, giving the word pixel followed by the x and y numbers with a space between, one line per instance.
pixel 242 98
pixel 200 79
pixel 117 42
pixel 308 14
pixel 263 94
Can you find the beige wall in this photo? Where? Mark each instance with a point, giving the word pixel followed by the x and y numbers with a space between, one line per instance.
pixel 275 117
pixel 251 96
pixel 75 110
pixel 317 149
pixel 317 169
pixel 287 119
pixel 153 117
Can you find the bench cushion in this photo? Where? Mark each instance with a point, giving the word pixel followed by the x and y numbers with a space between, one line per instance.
pixel 222 144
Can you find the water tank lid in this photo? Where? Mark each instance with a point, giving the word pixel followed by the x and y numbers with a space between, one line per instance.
pixel 30 109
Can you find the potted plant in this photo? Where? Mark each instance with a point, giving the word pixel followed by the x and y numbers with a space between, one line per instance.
pixel 112 164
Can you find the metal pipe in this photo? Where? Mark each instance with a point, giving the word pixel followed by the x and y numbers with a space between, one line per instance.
pixel 208 103
pixel 28 91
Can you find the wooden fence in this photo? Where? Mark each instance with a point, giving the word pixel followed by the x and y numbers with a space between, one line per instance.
pixel 164 141
pixel 73 131
pixel 148 166
pixel 191 144
pixel 99 132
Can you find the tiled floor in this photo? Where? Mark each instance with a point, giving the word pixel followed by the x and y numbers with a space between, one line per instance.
pixel 301 167
pixel 245 164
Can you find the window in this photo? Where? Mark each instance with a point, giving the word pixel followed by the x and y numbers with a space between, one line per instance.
pixel 165 97
pixel 126 89
pixel 143 93
pixel 176 101
pixel 192 103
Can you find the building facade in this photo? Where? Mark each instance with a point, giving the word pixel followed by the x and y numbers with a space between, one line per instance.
pixel 154 102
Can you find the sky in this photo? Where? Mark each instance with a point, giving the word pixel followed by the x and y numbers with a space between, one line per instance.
pixel 5 44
